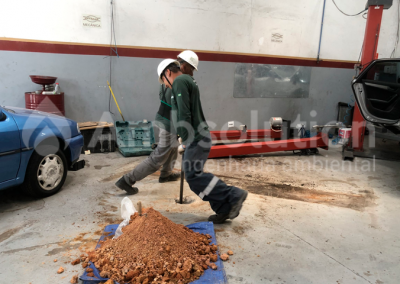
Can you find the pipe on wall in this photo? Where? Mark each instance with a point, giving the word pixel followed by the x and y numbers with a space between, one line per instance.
pixel 320 33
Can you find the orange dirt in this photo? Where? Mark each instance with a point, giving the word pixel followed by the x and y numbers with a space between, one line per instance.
pixel 153 249
pixel 74 279
pixel 76 261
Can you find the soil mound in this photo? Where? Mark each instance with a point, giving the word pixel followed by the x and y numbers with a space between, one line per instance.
pixel 153 249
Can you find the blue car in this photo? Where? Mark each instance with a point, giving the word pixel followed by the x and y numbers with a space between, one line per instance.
pixel 37 149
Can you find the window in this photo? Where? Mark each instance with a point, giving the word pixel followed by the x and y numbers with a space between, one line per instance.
pixel 271 81
pixel 388 72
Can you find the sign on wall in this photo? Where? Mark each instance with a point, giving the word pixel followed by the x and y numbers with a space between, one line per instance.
pixel 93 21
pixel 276 37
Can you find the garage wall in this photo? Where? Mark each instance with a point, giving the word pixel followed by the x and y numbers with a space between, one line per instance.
pixel 135 84
pixel 222 32
pixel 243 26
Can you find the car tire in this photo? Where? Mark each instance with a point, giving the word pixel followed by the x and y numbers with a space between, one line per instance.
pixel 46 173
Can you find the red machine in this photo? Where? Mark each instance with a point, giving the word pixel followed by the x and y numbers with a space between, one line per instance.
pixel 321 140
pixel 38 100
pixel 245 134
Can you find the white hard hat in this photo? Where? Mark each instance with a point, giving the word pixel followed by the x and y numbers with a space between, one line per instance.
pixel 161 67
pixel 190 57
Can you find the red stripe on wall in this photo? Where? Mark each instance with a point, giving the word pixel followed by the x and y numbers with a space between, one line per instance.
pixel 45 47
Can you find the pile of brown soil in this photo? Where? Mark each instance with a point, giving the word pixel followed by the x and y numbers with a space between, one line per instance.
pixel 153 249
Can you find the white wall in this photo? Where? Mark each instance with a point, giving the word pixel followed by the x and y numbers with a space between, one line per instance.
pixel 243 26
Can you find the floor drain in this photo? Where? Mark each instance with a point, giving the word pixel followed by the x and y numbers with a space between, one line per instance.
pixel 186 200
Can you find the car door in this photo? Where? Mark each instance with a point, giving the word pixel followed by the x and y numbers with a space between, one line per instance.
pixel 377 91
pixel 10 155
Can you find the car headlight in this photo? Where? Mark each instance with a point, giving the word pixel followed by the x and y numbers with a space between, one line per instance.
pixel 77 127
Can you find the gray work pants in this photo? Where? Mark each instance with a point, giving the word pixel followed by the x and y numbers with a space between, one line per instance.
pixel 164 157
pixel 207 186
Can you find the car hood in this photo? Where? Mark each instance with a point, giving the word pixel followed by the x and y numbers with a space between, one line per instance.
pixel 33 123
pixel 19 110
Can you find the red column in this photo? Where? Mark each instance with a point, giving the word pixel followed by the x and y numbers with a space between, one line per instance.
pixel 370 46
pixel 371 36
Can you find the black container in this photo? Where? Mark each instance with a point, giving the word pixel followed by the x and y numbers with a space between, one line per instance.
pixel 78 165
pixel 99 140
pixel 345 115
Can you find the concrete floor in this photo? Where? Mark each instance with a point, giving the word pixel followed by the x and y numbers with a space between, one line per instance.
pixel 307 220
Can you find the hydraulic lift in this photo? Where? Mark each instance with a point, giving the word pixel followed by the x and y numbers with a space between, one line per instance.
pixel 355 145
pixel 369 53
pixel 321 140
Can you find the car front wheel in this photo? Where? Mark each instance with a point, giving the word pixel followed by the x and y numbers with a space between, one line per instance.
pixel 46 174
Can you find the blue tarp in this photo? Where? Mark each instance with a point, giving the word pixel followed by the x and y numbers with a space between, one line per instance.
pixel 210 276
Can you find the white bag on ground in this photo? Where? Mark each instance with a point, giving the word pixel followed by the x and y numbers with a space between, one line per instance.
pixel 127 209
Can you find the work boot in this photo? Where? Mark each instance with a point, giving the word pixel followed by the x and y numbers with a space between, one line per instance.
pixel 122 184
pixel 171 177
pixel 218 218
pixel 235 210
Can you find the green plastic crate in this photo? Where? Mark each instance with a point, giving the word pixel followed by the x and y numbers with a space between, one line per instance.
pixel 135 138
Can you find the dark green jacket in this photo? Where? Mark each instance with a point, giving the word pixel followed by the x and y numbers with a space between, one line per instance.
pixel 163 122
pixel 187 113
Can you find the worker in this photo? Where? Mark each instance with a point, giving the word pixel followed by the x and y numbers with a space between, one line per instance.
pixel 188 119
pixel 165 154
pixel 188 61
